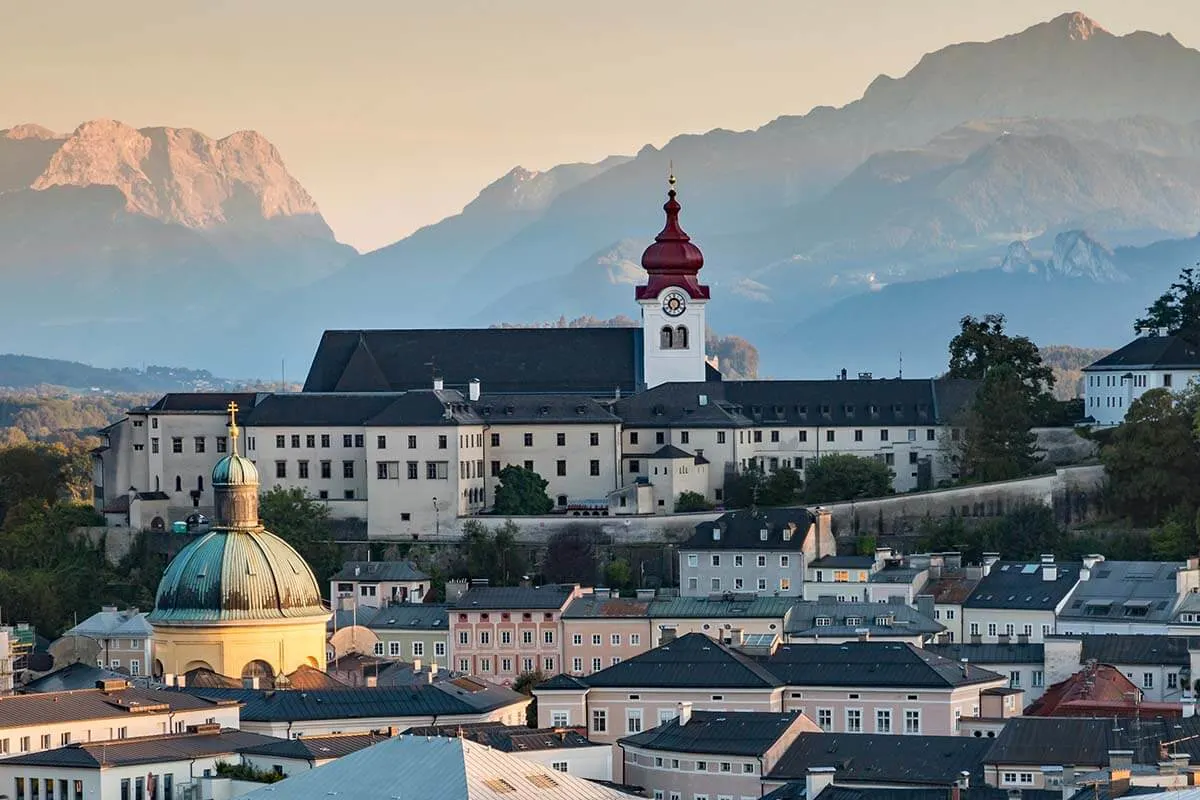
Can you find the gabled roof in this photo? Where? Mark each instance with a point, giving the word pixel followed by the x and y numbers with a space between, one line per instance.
pixel 509 738
pixel 987 653
pixel 437 699
pixel 872 758
pixel 435 767
pixel 590 361
pixel 1086 742
pixel 667 452
pixel 1094 686
pixel 732 606
pixel 501 409
pixel 1020 585
pixel 72 677
pixel 901 620
pixel 426 407
pixel 145 750
pixel 1144 649
pixel 871 664
pixel 1151 352
pixel 951 589
pixel 316 748
pixel 563 682
pixel 409 617
pixel 299 410
pixel 742 530
pixel 732 733
pixel 203 402
pixel 689 662
pixel 1131 591
pixel 109 622
pixel 486 598
pixel 370 571
pixel 88 704
pixel 593 605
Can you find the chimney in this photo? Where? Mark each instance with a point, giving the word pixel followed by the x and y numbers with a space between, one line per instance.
pixel 438 384
pixel 416 665
pixel 824 532
pixel 716 533
pixel 473 390
pixel 1014 794
pixel 789 531
pixel 1049 571
pixel 685 713
pixel 371 681
pixel 702 400
pixel 357 570
pixel 863 634
pixel 393 731
pixel 988 560
pixel 817 779
pixel 1120 759
pixel 433 671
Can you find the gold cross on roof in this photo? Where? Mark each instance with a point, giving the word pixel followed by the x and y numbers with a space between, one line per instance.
pixel 232 408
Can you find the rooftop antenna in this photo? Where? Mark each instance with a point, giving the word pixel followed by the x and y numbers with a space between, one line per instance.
pixel 282 375
pixel 901 364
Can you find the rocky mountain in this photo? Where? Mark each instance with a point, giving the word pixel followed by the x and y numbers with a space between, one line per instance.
pixel 932 174
pixel 110 230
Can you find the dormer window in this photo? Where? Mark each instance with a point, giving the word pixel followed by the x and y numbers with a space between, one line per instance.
pixel 849 411
pixel 854 620
pixel 762 535
pixel 823 622
pixel 825 409
pixel 883 621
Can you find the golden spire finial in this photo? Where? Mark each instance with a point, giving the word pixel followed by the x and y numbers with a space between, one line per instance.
pixel 671 174
pixel 232 408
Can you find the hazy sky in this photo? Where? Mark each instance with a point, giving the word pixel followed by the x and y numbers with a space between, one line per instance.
pixel 394 113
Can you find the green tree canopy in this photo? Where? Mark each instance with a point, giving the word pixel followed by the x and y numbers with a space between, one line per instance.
pixel 494 554
pixel 522 491
pixel 998 443
pixel 754 487
pixel 618 574
pixel 983 344
pixel 1177 310
pixel 571 556
pixel 524 685
pixel 841 476
pixel 303 522
pixel 1152 461
pixel 691 501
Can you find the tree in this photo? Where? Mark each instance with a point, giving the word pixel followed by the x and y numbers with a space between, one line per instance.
pixel 1176 539
pixel 45 473
pixel 303 522
pixel 571 556
pixel 493 555
pixel 618 574
pixel 691 501
pixel 522 491
pixel 781 488
pixel 840 476
pixel 524 685
pixel 753 487
pixel 1177 310
pixel 998 443
pixel 981 345
pixel 1152 460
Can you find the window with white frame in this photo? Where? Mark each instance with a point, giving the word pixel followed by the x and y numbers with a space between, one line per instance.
pixel 737 561
pixel 1038 679
pixel 596 639
pixel 853 720
pixel 599 720
pixel 1147 680
pixel 912 721
pixel 991 629
pixel 762 561
pixel 785 561
pixel 633 720
pixel 418 649
pixel 693 560
pixel 378 648
pixel 616 639
pixel 1014 678
pixel 825 719
pixel 596 665
pixel 635 639
pixel 439 649
pixel 559 719
pixel 883 720
pixel 560 766
pixel 577 638
pixel 393 648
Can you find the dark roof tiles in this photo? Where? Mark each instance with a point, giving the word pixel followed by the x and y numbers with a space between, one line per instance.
pixel 987 653
pixel 691 661
pixel 546 598
pixel 1021 585
pixel 1160 352
pixel 871 664
pixel 884 758
pixel 733 733
pixel 785 529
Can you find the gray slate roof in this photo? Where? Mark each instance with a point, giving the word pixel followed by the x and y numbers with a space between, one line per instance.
pixel 1131 591
pixel 592 361
pixel 885 758
pixel 988 653
pixel 1147 649
pixel 721 607
pixel 89 704
pixel 691 661
pixel 509 738
pixel 1020 585
pixel 849 562
pixel 316 748
pixel 145 750
pixel 368 571
pixel 500 409
pixel 871 664
pixel 742 530
pixel 72 677
pixel 1158 352
pixel 447 697
pixel 204 402
pixel 732 733
pixel 1086 742
pixel 546 598
pixel 296 410
pixel 434 767
pixel 129 623
pixel 409 617
pixel 903 620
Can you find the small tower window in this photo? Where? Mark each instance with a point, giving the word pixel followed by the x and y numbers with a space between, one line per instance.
pixel 667 338
pixel 178 484
pixel 681 338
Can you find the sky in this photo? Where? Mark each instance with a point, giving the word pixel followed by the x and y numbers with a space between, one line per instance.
pixel 395 113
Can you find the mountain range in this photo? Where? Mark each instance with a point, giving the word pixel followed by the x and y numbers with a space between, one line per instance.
pixel 1052 175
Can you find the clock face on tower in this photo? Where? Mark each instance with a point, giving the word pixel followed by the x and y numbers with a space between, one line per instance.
pixel 674 304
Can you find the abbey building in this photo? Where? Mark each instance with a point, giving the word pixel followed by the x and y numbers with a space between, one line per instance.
pixel 408 430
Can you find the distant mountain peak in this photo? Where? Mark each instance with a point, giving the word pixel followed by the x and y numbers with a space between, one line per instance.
pixel 29 130
pixel 1077 26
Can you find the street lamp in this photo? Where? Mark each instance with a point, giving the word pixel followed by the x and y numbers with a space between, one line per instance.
pixel 437 519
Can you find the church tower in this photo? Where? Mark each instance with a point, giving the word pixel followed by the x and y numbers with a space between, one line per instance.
pixel 672 302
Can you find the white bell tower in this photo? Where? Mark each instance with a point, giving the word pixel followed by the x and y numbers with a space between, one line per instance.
pixel 672 302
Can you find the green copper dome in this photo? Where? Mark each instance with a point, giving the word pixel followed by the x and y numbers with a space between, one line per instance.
pixel 235 470
pixel 236 575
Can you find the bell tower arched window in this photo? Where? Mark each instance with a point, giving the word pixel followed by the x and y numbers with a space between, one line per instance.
pixel 666 338
pixel 178 484
pixel 681 338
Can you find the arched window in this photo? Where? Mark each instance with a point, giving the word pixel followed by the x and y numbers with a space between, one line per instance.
pixel 157 484
pixel 200 482
pixel 178 484
pixel 681 338
pixel 666 338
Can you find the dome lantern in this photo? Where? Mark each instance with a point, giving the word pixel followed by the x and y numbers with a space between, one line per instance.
pixel 235 485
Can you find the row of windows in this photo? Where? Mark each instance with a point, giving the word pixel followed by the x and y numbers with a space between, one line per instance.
pixel 199 444
pixel 1139 381
pixel 1037 679
pixel 785 584
pixel 993 629
pixel 693 560
pixel 135 666
pixel 67 789
pixel 418 649
pixel 326 469
pixel 439 470
pixel 1109 402
pixel 597 664
pixel 883 721
pixel 504 665
pixel 310 440
pixel 635 639
pixel 485 637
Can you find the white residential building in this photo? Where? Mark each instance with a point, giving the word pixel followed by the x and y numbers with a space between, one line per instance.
pixel 1148 362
